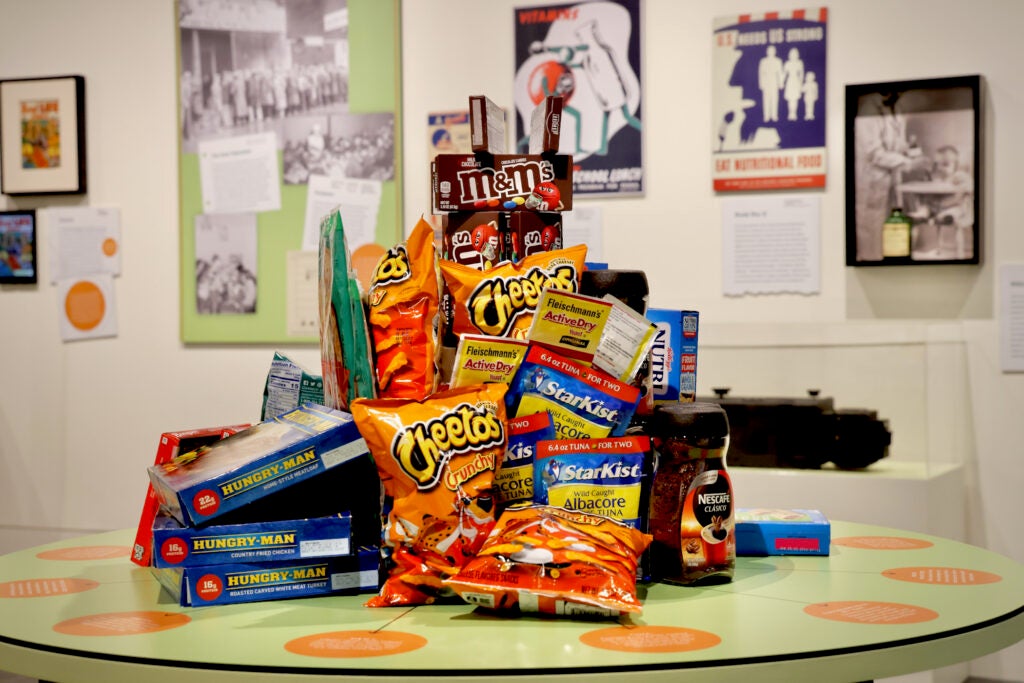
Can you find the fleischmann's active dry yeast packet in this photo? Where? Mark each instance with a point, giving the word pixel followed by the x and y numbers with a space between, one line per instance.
pixel 436 458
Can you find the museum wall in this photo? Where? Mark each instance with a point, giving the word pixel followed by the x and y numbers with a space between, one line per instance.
pixel 79 421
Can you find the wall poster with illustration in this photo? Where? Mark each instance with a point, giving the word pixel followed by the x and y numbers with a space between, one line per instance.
pixel 913 172
pixel 768 85
pixel 589 53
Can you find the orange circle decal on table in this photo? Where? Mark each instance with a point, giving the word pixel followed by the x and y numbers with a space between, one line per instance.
pixel 942 576
pixel 109 246
pixel 882 542
pixel 121 623
pixel 43 588
pixel 85 305
pixel 869 612
pixel 364 262
pixel 649 639
pixel 347 644
pixel 86 552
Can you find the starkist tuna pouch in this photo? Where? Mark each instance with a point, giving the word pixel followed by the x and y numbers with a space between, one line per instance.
pixel 515 476
pixel 599 476
pixel 500 302
pixel 403 307
pixel 436 460
pixel 584 403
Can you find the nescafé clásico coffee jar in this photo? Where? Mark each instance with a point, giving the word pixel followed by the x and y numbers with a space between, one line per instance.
pixel 691 517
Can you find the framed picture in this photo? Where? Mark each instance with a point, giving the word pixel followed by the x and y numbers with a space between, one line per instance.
pixel 42 135
pixel 18 256
pixel 913 172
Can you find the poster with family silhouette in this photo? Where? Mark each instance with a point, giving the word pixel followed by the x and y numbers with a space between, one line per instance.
pixel 768 100
pixel 589 53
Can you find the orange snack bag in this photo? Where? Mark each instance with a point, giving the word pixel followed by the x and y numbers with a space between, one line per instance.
pixel 436 459
pixel 500 302
pixel 547 559
pixel 403 306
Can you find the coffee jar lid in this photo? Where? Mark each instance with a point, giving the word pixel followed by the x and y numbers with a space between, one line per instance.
pixel 699 422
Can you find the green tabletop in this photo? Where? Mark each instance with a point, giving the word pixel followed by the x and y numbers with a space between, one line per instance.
pixel 885 602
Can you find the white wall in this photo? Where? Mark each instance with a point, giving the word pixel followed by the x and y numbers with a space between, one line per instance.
pixel 79 422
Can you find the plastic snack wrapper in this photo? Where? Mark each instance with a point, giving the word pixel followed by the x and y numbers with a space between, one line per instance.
pixel 437 459
pixel 289 386
pixel 344 339
pixel 500 302
pixel 555 561
pixel 403 304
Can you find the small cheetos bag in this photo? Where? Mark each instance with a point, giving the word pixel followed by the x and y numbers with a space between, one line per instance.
pixel 437 460
pixel 403 307
pixel 500 302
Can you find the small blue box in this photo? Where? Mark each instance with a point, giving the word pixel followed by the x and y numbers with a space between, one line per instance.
pixel 674 355
pixel 764 531
pixel 226 584
pixel 178 546
pixel 197 487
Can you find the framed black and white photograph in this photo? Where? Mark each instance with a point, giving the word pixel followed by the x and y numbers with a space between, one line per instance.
pixel 42 135
pixel 913 181
pixel 246 67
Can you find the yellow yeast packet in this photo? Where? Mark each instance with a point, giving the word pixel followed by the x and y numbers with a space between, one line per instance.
pixel 480 359
pixel 570 324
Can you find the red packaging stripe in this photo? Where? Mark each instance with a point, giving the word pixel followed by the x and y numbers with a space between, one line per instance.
pixel 621 444
pixel 594 378
pixel 518 426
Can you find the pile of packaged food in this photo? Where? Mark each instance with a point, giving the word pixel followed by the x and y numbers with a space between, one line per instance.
pixel 492 413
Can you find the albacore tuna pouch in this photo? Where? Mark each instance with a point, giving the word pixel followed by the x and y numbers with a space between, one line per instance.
pixel 597 476
pixel 514 479
pixel 584 403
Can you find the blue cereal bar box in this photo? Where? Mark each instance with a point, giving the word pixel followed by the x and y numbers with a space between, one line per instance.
pixel 198 487
pixel 177 546
pixel 766 531
pixel 674 355
pixel 225 584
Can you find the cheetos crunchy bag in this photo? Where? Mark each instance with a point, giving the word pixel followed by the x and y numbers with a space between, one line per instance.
pixel 555 561
pixel 403 308
pixel 436 459
pixel 500 302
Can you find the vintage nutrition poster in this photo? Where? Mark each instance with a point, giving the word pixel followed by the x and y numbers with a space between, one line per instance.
pixel 589 53
pixel 448 133
pixel 768 100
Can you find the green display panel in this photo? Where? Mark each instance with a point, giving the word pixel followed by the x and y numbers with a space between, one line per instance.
pixel 374 86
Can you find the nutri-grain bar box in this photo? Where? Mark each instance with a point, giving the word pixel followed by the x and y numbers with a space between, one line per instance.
pixel 225 584
pixel 502 182
pixel 175 545
pixel 198 487
pixel 674 355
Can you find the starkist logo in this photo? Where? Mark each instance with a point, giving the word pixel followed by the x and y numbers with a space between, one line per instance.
pixel 423 447
pixel 496 302
pixel 585 403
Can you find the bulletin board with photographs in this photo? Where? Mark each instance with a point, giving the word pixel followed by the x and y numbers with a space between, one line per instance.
pixel 287 109
pixel 913 172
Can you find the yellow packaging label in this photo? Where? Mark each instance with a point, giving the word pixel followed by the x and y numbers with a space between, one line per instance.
pixel 568 425
pixel 570 324
pixel 618 502
pixel 515 483
pixel 481 359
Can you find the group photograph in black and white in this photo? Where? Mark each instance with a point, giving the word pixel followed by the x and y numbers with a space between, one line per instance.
pixel 225 246
pixel 347 145
pixel 247 66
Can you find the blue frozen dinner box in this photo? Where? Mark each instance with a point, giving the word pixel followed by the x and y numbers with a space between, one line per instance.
pixel 767 531
pixel 224 584
pixel 202 485
pixel 177 546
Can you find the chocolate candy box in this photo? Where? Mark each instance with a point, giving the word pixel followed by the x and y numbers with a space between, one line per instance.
pixel 511 182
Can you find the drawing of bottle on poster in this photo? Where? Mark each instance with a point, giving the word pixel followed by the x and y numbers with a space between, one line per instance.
pixel 768 100
pixel 589 53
